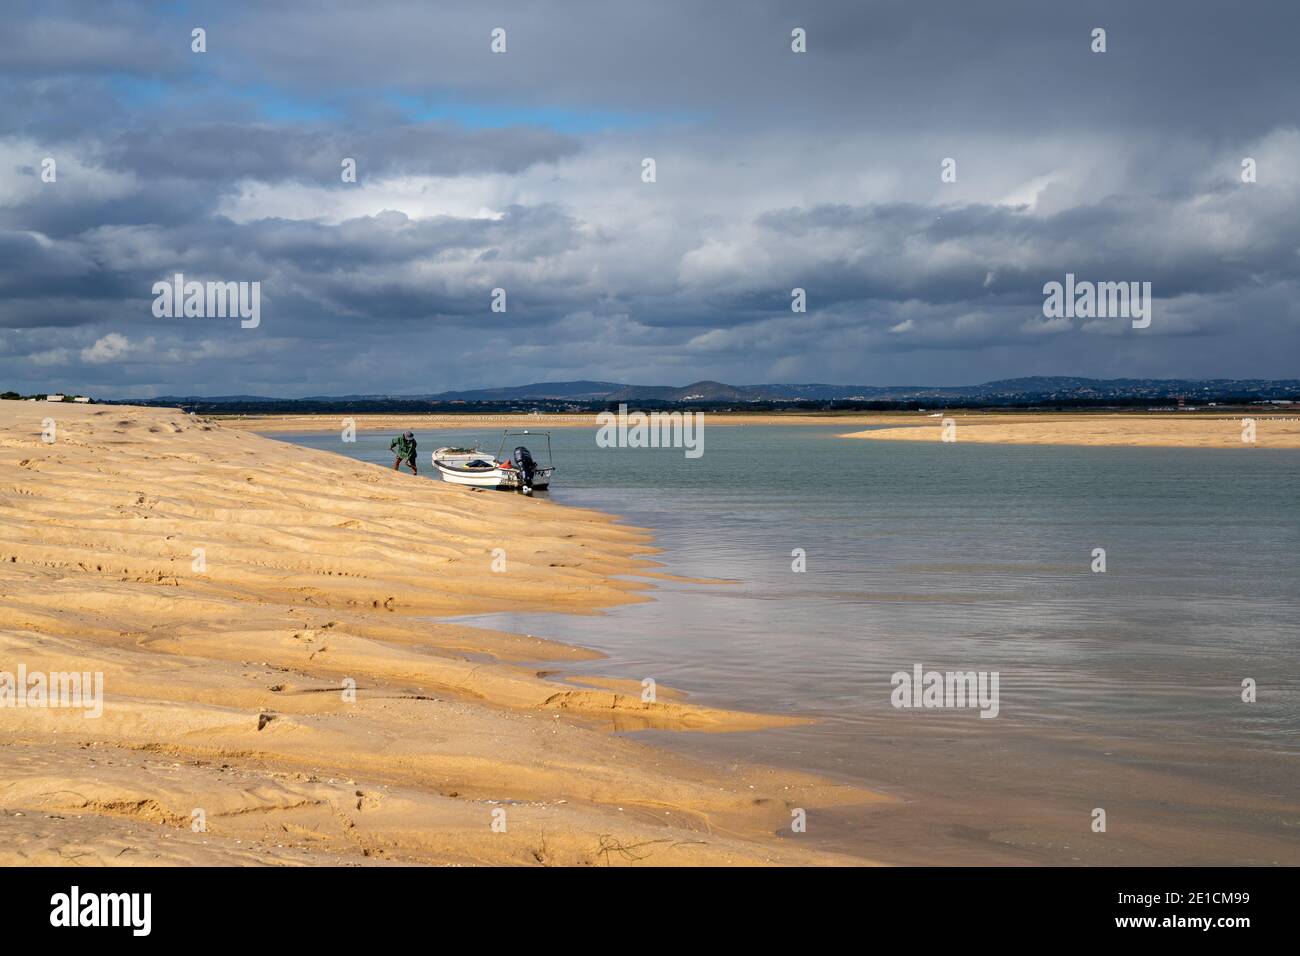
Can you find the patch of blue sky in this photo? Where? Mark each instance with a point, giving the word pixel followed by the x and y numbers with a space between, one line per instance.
pixel 496 115
pixel 145 93
pixel 139 92
pixel 284 107
pixel 136 92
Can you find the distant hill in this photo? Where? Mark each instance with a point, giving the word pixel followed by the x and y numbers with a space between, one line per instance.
pixel 699 392
pixel 1040 388
pixel 1037 390
pixel 557 391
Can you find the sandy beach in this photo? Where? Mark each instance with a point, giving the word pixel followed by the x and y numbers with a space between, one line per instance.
pixel 1172 429
pixel 232 590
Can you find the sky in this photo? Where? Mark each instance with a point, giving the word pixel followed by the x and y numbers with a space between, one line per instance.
pixel 523 171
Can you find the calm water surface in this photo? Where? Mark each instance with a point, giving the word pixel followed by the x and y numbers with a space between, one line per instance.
pixel 1119 690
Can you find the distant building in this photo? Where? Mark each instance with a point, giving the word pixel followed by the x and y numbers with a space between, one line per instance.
pixel 54 398
pixel 82 398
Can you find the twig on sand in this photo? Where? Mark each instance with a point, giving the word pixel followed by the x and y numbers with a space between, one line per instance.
pixel 628 850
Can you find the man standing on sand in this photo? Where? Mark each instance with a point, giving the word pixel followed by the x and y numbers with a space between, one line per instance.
pixel 403 446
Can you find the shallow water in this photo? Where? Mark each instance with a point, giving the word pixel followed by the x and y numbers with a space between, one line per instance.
pixel 1120 690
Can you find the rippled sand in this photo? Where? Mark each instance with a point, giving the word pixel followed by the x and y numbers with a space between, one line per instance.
pixel 224 683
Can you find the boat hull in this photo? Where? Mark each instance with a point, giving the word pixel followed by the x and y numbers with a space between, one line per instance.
pixel 451 468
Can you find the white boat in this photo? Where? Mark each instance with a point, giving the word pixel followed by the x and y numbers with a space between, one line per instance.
pixel 473 466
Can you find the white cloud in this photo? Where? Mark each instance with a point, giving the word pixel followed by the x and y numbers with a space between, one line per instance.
pixel 110 348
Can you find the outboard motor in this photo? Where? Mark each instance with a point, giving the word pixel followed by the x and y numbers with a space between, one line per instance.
pixel 524 462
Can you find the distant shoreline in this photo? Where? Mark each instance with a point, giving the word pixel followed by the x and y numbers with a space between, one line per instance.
pixel 1220 428
pixel 381 422
pixel 1165 430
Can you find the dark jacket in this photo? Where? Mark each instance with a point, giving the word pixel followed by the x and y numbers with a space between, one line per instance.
pixel 403 447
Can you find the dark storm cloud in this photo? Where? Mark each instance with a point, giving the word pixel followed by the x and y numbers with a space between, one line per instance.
pixel 1002 253
pixel 58 38
pixel 1204 64
pixel 478 171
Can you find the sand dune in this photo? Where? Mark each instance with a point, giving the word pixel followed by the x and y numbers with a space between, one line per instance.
pixel 225 680
pixel 1172 429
